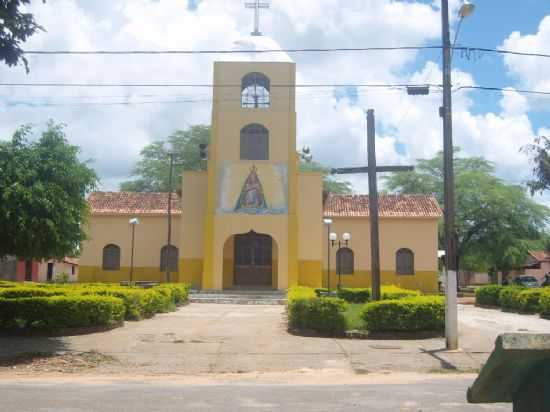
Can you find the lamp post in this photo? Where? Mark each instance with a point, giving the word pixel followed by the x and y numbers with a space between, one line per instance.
pixel 451 318
pixel 133 223
pixel 327 223
pixel 333 237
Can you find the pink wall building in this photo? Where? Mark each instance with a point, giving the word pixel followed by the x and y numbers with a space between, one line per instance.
pixel 537 264
pixel 46 270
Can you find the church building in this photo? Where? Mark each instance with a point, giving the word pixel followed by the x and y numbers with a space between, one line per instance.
pixel 253 219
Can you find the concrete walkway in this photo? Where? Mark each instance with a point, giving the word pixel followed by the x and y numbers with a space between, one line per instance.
pixel 214 339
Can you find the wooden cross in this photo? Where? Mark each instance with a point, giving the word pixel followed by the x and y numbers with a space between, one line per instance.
pixel 372 170
pixel 256 5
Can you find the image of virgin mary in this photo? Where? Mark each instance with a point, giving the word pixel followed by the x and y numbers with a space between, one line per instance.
pixel 252 196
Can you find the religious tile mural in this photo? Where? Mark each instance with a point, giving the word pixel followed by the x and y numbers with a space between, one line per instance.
pixel 257 189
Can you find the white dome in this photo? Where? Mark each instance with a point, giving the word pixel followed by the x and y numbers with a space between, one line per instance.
pixel 255 43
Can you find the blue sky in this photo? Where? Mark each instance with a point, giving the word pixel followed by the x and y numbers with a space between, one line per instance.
pixel 331 122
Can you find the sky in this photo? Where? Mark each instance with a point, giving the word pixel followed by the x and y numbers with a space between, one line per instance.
pixel 112 125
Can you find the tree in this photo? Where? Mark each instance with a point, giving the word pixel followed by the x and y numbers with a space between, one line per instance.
pixel 330 184
pixel 496 223
pixel 538 154
pixel 15 27
pixel 43 186
pixel 152 170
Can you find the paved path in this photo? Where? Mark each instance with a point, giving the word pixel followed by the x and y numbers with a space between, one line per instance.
pixel 441 393
pixel 210 338
pixel 214 339
pixel 479 327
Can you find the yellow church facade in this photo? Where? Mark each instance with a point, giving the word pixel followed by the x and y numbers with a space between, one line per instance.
pixel 253 219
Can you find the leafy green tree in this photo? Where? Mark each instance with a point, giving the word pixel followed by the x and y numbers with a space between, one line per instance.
pixel 330 183
pixel 538 154
pixel 15 28
pixel 496 223
pixel 43 186
pixel 152 170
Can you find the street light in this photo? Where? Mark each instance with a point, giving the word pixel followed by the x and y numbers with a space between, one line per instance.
pixel 327 223
pixel 333 237
pixel 306 154
pixel 451 319
pixel 467 9
pixel 133 222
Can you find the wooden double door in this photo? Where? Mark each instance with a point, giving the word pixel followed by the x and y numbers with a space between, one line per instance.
pixel 253 260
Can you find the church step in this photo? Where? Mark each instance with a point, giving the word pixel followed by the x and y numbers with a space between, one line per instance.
pixel 263 292
pixel 239 297
pixel 236 300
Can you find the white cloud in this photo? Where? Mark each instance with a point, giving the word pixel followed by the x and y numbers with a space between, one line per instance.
pixel 408 127
pixel 532 72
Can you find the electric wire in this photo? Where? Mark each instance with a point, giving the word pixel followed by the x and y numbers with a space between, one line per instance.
pixel 297 50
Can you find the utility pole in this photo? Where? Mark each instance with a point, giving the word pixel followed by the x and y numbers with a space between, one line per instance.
pixel 169 243
pixel 451 317
pixel 373 207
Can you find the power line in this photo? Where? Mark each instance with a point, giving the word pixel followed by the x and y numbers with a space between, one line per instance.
pixel 304 50
pixel 27 101
pixel 212 86
pixel 502 89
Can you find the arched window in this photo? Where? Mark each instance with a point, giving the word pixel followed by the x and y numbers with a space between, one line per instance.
pixel 111 257
pixel 404 262
pixel 255 91
pixel 254 142
pixel 344 261
pixel 169 254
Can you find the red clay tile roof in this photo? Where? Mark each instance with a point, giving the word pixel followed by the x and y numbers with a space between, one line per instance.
pixel 131 203
pixel 388 206
pixel 540 255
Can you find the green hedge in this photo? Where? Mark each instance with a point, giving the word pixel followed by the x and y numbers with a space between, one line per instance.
pixel 61 311
pixel 391 292
pixel 144 303
pixel 544 303
pixel 509 297
pixel 30 292
pixel 137 302
pixel 420 313
pixel 354 295
pixel 529 300
pixel 488 295
pixel 306 311
pixel 364 295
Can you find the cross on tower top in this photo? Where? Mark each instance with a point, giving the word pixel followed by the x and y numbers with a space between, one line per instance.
pixel 257 5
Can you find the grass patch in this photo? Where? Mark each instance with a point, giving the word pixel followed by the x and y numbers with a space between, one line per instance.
pixel 353 317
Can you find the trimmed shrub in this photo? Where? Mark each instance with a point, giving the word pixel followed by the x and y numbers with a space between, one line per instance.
pixel 29 292
pixel 391 292
pixel 529 299
pixel 544 303
pixel 179 292
pixel 354 295
pixel 7 284
pixel 488 295
pixel 307 311
pixel 61 311
pixel 509 297
pixel 420 313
